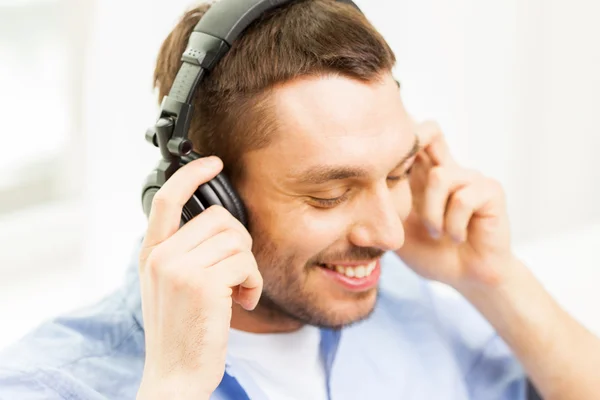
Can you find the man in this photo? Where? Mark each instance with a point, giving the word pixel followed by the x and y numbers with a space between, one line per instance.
pixel 346 196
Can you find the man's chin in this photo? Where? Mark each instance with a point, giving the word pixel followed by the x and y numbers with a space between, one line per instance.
pixel 353 312
pixel 338 313
pixel 332 312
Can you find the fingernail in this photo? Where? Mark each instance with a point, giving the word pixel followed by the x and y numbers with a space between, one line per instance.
pixel 457 239
pixel 211 161
pixel 250 305
pixel 434 233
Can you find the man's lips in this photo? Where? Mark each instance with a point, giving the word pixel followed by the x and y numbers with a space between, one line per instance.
pixel 355 277
pixel 349 263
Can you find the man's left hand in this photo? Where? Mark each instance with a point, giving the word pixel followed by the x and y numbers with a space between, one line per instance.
pixel 458 233
pixel 458 230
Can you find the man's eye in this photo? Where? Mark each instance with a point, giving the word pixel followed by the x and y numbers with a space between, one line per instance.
pixel 400 177
pixel 331 202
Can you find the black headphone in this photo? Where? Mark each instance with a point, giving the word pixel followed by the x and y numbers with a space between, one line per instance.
pixel 212 37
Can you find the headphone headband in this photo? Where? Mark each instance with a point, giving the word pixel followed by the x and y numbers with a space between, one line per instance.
pixel 210 40
pixel 227 19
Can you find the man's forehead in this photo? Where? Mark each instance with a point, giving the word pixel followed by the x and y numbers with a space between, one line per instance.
pixel 332 105
pixel 336 127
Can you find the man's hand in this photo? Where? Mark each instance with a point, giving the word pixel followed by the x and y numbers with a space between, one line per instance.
pixel 458 234
pixel 189 278
pixel 458 230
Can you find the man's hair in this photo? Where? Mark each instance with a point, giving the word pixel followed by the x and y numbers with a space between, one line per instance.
pixel 304 38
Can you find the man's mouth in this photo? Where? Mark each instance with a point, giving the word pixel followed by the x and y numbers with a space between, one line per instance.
pixel 353 270
pixel 353 276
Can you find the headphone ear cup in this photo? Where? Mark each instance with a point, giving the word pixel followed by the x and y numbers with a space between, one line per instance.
pixel 227 196
pixel 147 196
pixel 194 206
pixel 149 190
pixel 217 191
pixel 230 198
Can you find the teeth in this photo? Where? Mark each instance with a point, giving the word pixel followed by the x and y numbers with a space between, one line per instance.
pixel 370 268
pixel 359 271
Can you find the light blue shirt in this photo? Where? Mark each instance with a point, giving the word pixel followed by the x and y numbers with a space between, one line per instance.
pixel 417 344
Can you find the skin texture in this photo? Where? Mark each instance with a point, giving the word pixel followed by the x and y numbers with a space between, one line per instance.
pixel 446 222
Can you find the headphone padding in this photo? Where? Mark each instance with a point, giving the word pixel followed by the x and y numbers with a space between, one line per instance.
pixel 229 197
pixel 147 197
pixel 209 195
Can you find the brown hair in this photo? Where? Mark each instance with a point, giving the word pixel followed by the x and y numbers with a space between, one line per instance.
pixel 304 38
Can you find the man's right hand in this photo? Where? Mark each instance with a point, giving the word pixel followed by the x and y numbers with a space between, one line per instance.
pixel 189 278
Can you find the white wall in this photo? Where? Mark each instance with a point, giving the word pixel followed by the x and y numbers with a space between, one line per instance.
pixel 513 84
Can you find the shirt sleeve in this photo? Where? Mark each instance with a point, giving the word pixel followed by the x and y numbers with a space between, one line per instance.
pixel 22 386
pixel 489 367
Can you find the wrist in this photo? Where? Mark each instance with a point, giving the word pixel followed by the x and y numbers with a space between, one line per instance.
pixel 497 277
pixel 173 387
pixel 516 304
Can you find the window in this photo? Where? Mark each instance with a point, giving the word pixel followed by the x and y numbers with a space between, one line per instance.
pixel 42 59
pixel 34 102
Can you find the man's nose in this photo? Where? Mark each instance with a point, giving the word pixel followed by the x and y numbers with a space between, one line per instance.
pixel 379 224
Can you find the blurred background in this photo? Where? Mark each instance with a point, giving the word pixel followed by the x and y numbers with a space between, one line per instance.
pixel 514 84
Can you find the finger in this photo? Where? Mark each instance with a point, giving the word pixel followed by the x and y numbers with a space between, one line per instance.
pixel 168 202
pixel 420 170
pixel 421 167
pixel 209 223
pixel 442 182
pixel 419 174
pixel 433 143
pixel 462 206
pixel 216 249
pixel 240 272
pixel 424 159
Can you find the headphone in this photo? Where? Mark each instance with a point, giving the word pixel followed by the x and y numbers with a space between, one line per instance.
pixel 210 40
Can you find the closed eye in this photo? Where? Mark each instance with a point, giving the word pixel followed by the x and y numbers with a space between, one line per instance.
pixel 329 202
pixel 404 175
pixel 334 201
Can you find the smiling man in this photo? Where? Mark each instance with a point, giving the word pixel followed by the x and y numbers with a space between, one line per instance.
pixel 329 208
pixel 354 208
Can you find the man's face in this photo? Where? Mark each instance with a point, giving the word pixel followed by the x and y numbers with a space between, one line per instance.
pixel 327 197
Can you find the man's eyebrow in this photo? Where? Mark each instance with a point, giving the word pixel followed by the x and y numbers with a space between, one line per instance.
pixel 321 174
pixel 415 149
